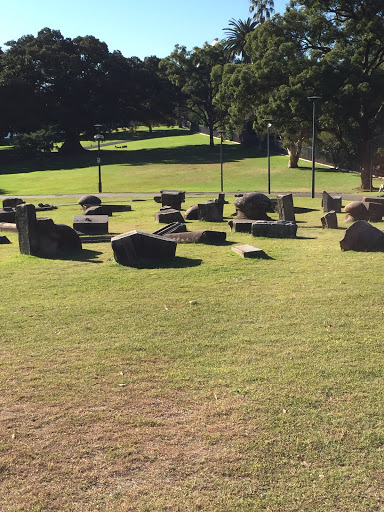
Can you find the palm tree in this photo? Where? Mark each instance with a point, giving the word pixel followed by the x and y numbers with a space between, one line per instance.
pixel 236 37
pixel 262 9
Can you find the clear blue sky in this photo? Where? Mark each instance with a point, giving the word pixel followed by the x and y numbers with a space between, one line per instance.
pixel 136 28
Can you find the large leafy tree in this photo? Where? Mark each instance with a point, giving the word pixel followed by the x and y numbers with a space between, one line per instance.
pixel 75 83
pixel 236 37
pixel 347 38
pixel 197 74
pixel 262 10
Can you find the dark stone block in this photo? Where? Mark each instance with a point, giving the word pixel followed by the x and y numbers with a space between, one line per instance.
pixel 4 240
pixel 12 202
pixel 7 215
pixel 98 210
pixel 274 229
pixel 241 225
pixel 253 206
pixel 285 207
pixel 26 224
pixel 89 200
pixel 329 220
pixel 362 236
pixel 331 202
pixel 198 237
pixel 210 212
pixel 137 248
pixel 169 215
pixel 157 199
pixel 69 240
pixel 118 207
pixel 91 224
pixel 375 212
pixel 172 198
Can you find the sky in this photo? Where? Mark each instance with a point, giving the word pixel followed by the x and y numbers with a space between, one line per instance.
pixel 135 27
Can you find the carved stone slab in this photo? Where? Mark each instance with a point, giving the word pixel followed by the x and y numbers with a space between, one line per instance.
pixel 248 251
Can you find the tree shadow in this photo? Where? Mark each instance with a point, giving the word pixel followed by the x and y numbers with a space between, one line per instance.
pixel 185 155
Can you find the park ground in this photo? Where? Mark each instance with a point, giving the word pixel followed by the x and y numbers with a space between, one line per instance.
pixel 213 383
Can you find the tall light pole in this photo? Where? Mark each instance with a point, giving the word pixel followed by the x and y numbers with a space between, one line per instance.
pixel 313 99
pixel 268 121
pixel 99 137
pixel 221 160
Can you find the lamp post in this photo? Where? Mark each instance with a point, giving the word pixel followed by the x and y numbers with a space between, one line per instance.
pixel 221 160
pixel 99 137
pixel 268 121
pixel 313 99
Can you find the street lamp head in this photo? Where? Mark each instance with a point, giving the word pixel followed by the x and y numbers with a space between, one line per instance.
pixel 97 126
pixel 314 98
pixel 99 136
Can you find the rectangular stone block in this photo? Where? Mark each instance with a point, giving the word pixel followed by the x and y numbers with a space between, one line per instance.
pixel 331 202
pixel 248 251
pixel 7 215
pixel 198 237
pixel 241 225
pixel 285 207
pixel 210 212
pixel 137 248
pixel 168 216
pixel 91 224
pixel 172 198
pixel 173 227
pixel 274 229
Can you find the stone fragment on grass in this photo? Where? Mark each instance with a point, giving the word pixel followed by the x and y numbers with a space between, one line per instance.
pixel 210 211
pixel 249 251
pixel 241 225
pixel 4 240
pixel 274 229
pixel 12 202
pixel 362 236
pixel 139 248
pixel 253 206
pixel 329 220
pixel 198 237
pixel 168 215
pixel 91 224
pixel 357 210
pixel 89 200
pixel 331 202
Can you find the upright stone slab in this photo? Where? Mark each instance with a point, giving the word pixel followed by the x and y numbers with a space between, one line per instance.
pixel 362 236
pixel 26 224
pixel 137 248
pixel 221 202
pixel 210 212
pixel 329 220
pixel 331 202
pixel 274 229
pixel 285 207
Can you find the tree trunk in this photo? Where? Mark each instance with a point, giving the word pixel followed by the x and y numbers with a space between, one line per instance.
pixel 365 165
pixel 150 127
pixel 211 139
pixel 294 151
pixel 72 145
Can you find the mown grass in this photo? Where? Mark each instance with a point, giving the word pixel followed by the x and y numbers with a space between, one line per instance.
pixel 213 383
pixel 167 159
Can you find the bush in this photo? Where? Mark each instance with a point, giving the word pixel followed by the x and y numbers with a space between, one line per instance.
pixel 34 143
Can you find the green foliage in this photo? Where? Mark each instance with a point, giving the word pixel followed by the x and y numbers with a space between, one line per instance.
pixel 34 143
pixel 236 37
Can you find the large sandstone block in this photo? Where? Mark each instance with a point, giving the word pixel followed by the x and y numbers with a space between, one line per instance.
pixel 253 206
pixel 91 224
pixel 137 248
pixel 210 212
pixel 198 237
pixel 168 216
pixel 274 229
pixel 241 225
pixel 362 236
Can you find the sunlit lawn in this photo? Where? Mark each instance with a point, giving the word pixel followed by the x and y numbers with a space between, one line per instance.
pixel 213 383
pixel 167 159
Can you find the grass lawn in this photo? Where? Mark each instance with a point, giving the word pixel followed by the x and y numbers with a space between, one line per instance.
pixel 167 158
pixel 212 384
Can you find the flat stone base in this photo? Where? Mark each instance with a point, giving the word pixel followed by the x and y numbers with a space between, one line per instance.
pixel 248 251
pixel 91 224
pixel 274 229
pixel 241 225
pixel 139 248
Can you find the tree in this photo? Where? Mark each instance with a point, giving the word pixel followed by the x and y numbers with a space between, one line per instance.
pixel 262 10
pixel 197 74
pixel 347 38
pixel 236 37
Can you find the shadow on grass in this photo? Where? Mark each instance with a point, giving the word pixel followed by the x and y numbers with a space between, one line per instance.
pixel 144 135
pixel 299 210
pixel 178 262
pixel 185 155
pixel 85 255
